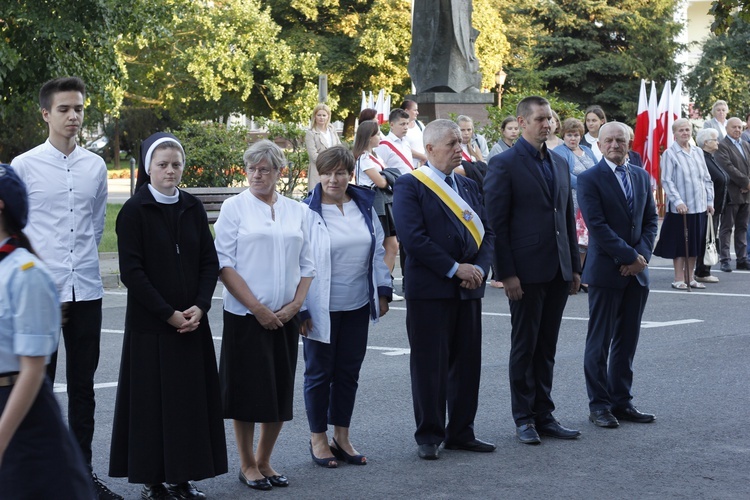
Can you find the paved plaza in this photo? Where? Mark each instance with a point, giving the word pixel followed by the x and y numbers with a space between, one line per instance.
pixel 691 370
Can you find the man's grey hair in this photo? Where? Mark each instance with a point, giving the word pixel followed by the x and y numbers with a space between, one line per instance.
pixel 705 135
pixel 464 118
pixel 437 129
pixel 613 124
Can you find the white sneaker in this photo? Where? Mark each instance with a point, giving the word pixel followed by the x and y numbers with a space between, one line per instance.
pixel 396 297
pixel 706 279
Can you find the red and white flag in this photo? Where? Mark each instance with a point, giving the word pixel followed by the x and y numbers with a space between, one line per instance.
pixel 642 125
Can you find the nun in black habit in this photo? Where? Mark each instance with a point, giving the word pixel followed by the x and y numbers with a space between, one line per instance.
pixel 168 427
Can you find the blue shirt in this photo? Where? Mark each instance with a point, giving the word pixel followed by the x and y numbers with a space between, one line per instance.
pixel 29 310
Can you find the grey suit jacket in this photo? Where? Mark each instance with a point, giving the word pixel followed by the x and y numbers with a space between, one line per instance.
pixel 738 168
pixel 712 123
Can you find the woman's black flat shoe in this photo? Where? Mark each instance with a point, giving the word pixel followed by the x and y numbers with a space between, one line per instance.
pixel 328 463
pixel 257 484
pixel 350 459
pixel 278 480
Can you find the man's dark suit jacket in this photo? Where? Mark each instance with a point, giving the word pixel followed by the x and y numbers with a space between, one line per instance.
pixel 435 239
pixel 615 236
pixel 535 230
pixel 738 168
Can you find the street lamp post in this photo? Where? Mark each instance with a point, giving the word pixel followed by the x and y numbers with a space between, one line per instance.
pixel 500 77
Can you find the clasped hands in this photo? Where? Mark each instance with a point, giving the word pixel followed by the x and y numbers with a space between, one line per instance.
pixel 273 320
pixel 186 321
pixel 470 275
pixel 636 267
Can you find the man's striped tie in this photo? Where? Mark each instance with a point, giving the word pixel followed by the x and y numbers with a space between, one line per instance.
pixel 626 185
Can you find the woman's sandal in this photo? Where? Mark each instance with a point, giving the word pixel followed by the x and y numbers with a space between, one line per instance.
pixel 679 285
pixel 695 284
pixel 328 462
pixel 350 459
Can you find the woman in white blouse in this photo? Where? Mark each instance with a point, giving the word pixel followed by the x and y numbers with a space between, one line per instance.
pixel 320 136
pixel 690 194
pixel 266 267
pixel 351 287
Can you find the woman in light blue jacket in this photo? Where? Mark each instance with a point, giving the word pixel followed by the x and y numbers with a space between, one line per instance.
pixel 352 285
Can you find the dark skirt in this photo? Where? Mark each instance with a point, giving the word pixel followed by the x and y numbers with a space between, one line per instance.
pixel 168 425
pixel 671 242
pixel 257 369
pixel 42 459
pixel 389 227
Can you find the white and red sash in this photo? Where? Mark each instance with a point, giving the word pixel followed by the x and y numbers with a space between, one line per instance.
pixel 377 161
pixel 399 153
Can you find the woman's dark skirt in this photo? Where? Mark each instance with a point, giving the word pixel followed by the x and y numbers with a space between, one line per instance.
pixel 257 369
pixel 389 227
pixel 671 242
pixel 42 459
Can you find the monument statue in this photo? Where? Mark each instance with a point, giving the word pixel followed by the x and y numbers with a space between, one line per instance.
pixel 442 48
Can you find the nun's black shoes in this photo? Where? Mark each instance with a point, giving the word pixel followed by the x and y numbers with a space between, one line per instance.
pixel 328 462
pixel 186 491
pixel 156 492
pixel 256 484
pixel 344 456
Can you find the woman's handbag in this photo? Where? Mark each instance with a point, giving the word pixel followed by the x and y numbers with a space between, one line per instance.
pixel 711 257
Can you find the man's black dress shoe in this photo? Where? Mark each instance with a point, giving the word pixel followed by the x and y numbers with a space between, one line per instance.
pixel 743 266
pixel 631 414
pixel 428 451
pixel 555 430
pixel 726 267
pixel 278 480
pixel 527 434
pixel 603 418
pixel 256 484
pixel 473 445
pixel 185 491
pixel 156 492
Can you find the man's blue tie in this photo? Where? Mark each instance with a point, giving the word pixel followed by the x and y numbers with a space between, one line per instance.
pixel 626 185
pixel 449 181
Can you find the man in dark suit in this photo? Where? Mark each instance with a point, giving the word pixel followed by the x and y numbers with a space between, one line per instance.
pixel 530 208
pixel 440 220
pixel 619 210
pixel 734 157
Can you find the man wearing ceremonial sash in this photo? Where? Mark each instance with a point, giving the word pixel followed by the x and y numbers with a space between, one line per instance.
pixel 394 149
pixel 530 208
pixel 440 219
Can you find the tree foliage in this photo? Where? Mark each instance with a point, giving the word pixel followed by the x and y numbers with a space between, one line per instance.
pixel 723 69
pixel 362 44
pixel 596 51
pixel 208 59
pixel 213 154
pixel 727 12
pixel 492 47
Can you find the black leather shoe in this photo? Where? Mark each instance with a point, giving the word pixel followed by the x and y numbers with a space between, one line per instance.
pixel 555 430
pixel 743 266
pixel 473 445
pixel 527 434
pixel 156 492
pixel 256 484
pixel 726 267
pixel 631 414
pixel 603 418
pixel 186 490
pixel 278 480
pixel 428 451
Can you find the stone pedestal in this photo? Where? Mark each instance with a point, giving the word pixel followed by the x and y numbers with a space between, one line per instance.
pixel 441 104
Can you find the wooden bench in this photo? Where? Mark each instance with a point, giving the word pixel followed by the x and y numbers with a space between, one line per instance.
pixel 213 197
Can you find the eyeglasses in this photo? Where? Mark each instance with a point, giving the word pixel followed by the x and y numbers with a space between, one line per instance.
pixel 263 171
